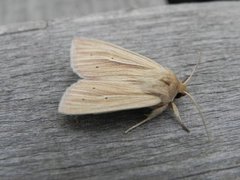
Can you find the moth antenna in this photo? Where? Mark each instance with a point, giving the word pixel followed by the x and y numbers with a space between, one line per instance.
pixel 194 69
pixel 198 108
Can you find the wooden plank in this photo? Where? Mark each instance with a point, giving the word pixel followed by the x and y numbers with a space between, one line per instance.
pixel 38 143
pixel 13 11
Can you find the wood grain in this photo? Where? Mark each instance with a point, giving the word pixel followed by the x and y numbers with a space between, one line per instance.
pixel 38 143
pixel 13 11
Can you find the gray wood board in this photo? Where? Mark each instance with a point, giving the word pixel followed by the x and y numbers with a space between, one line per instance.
pixel 12 11
pixel 38 143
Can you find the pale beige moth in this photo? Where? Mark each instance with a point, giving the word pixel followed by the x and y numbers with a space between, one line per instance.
pixel 117 79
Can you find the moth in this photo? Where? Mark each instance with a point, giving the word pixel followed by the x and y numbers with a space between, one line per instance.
pixel 117 79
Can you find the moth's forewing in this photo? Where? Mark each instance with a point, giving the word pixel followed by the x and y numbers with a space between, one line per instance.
pixel 90 96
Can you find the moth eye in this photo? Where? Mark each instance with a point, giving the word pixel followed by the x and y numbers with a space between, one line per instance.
pixel 112 58
pixel 93 88
pixel 106 98
pixel 97 66
pixel 179 95
pixel 83 99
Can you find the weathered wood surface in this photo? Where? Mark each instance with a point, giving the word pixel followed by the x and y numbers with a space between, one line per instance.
pixel 38 143
pixel 13 11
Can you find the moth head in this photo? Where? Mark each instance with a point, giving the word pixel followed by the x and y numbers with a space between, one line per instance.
pixel 182 89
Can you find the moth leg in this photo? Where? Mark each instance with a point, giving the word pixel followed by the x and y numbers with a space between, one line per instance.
pixel 177 114
pixel 155 112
